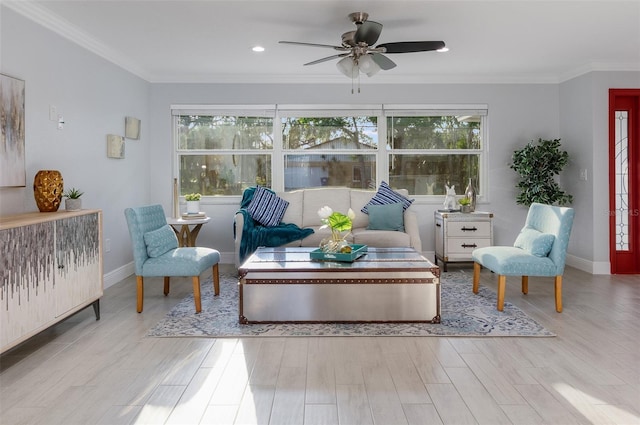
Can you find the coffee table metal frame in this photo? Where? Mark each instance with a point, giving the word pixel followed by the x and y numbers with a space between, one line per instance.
pixel 385 285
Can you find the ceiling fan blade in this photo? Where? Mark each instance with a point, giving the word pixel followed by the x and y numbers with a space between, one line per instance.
pixel 299 43
pixel 382 61
pixel 328 58
pixel 411 46
pixel 368 32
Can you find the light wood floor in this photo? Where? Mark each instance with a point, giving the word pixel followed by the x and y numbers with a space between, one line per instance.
pixel 84 371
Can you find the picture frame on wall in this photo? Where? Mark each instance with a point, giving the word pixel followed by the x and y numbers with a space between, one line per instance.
pixel 115 146
pixel 12 144
pixel 131 128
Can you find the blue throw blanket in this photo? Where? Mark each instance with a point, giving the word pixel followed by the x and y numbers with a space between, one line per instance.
pixel 255 235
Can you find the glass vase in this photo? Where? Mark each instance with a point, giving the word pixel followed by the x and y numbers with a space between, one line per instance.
pixel 470 192
pixel 334 243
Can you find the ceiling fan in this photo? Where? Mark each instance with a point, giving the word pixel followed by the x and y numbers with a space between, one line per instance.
pixel 358 51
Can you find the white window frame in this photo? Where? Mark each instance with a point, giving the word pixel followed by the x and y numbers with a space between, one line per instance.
pixel 381 111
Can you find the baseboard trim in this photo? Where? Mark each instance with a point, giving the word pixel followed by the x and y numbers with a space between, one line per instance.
pixel 117 275
pixel 593 267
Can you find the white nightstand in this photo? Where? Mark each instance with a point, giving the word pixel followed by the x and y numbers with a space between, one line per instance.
pixel 458 234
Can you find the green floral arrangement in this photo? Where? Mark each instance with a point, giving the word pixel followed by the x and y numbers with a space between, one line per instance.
pixel 192 197
pixel 464 201
pixel 336 221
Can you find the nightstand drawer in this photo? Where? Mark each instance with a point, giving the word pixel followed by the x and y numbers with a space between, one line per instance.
pixel 466 246
pixel 469 229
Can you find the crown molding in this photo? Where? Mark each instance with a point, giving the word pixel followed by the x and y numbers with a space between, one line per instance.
pixel 55 23
pixel 599 66
pixel 58 25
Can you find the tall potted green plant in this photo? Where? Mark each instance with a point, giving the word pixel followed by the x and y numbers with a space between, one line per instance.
pixel 537 164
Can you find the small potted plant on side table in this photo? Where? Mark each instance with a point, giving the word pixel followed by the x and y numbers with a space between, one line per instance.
pixel 465 205
pixel 193 202
pixel 72 200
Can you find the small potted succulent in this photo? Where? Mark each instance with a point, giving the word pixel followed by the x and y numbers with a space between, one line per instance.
pixel 465 205
pixel 193 202
pixel 72 200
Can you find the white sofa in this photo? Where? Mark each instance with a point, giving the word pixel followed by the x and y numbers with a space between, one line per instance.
pixel 303 211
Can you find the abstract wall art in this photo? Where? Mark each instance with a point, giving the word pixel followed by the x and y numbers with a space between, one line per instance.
pixel 12 157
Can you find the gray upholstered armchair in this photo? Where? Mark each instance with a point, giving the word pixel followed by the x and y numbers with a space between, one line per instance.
pixel 539 250
pixel 156 253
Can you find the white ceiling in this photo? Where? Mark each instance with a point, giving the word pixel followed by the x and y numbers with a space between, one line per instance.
pixel 211 40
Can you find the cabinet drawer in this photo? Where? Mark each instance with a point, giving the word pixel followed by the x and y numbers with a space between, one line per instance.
pixel 469 229
pixel 466 245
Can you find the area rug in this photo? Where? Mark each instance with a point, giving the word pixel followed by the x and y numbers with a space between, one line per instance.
pixel 463 313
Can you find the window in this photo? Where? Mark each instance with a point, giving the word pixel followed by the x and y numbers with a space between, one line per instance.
pixel 221 151
pixel 222 154
pixel 427 152
pixel 329 151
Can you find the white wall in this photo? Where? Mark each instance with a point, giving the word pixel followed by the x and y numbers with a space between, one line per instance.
pixel 94 96
pixel 518 113
pixel 584 127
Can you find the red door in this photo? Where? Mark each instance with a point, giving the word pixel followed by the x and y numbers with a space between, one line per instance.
pixel 624 180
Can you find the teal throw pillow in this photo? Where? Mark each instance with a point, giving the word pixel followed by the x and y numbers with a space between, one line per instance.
pixel 160 241
pixel 386 195
pixel 535 242
pixel 266 207
pixel 386 217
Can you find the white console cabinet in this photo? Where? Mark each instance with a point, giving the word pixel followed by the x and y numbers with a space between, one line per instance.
pixel 458 234
pixel 51 269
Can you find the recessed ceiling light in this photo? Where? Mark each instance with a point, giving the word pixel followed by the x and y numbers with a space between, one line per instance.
pixel 444 49
pixel 258 49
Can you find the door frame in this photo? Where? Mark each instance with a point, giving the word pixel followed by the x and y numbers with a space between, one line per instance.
pixel 627 261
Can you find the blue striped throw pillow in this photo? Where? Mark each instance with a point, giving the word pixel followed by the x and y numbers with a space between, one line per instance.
pixel 266 207
pixel 385 195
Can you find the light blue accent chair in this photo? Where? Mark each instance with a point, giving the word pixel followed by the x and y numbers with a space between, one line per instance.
pixel 539 250
pixel 156 253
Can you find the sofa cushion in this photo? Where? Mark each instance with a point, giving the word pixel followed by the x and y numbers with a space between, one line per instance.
pixel 266 207
pixel 293 214
pixel 338 199
pixel 360 198
pixel 534 241
pixel 160 241
pixel 386 217
pixel 381 238
pixel 386 195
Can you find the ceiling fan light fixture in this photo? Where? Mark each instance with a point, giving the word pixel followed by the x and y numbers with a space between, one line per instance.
pixel 368 66
pixel 348 67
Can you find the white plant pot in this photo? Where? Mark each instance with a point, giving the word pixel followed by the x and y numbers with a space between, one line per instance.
pixel 193 207
pixel 73 204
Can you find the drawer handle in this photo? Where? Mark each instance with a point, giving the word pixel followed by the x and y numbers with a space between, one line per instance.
pixel 469 229
pixel 438 225
pixel 464 245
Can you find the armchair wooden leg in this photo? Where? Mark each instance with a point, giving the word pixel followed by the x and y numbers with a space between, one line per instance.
pixel 558 290
pixel 216 280
pixel 502 280
pixel 525 284
pixel 140 292
pixel 476 277
pixel 166 285
pixel 196 293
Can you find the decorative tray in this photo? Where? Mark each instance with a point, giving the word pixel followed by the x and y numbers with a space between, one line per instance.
pixel 357 251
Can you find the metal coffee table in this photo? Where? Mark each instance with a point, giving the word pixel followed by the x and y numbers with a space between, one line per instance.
pixel 384 285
